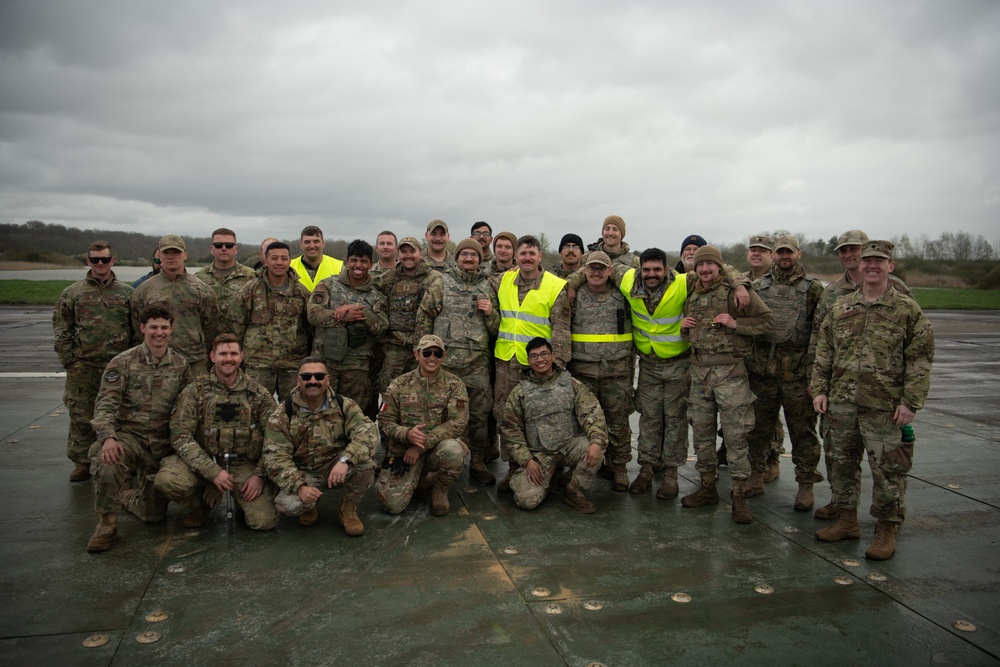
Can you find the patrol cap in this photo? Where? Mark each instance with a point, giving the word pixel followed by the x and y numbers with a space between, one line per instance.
pixel 410 241
pixel 765 242
pixel 877 249
pixel 786 241
pixel 430 340
pixel 708 253
pixel 599 257
pixel 851 237
pixel 172 242
pixel 434 224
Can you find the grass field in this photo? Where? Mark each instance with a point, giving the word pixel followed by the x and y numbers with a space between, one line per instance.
pixel 32 292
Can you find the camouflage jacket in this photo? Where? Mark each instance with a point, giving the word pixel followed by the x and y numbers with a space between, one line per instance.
pixel 787 361
pixel 403 294
pixel 441 404
pixel 449 310
pixel 137 396
pixel 212 419
pixel 876 355
pixel 346 345
pixel 92 322
pixel 624 258
pixel 195 310
pixel 271 323
pixel 447 263
pixel 541 415
pixel 314 441
pixel 704 304
pixel 226 287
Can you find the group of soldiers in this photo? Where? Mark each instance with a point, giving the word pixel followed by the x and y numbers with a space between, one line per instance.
pixel 267 386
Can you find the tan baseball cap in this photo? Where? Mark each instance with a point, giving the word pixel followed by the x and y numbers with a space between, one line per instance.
pixel 434 224
pixel 172 242
pixel 786 241
pixel 410 241
pixel 765 242
pixel 851 237
pixel 599 257
pixel 877 249
pixel 430 340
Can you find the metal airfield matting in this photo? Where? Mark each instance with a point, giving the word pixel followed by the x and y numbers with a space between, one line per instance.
pixel 642 582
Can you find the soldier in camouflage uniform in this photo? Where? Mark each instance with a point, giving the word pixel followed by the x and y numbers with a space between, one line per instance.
pixel 503 258
pixel 403 288
pixel 552 420
pixel 192 302
pixel 317 437
pixel 386 248
pixel 222 412
pixel 720 337
pixel 348 313
pixel 571 252
pixel 465 312
pixel 482 234
pixel 779 364
pixel 269 317
pixel 92 323
pixel 425 415
pixel 613 245
pixel 872 373
pixel 132 422
pixel 225 275
pixel 436 253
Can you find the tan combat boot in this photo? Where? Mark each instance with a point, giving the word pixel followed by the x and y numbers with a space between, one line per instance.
pixel 81 472
pixel 309 517
pixel 804 498
pixel 741 508
pixel 845 528
pixel 827 512
pixel 773 471
pixel 642 481
pixel 668 487
pixel 196 517
pixel 349 517
pixel 479 471
pixel 105 534
pixel 574 498
pixel 619 481
pixel 755 485
pixel 884 545
pixel 706 495
pixel 439 498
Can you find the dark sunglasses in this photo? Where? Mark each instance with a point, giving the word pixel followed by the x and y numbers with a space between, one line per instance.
pixel 100 260
pixel 220 246
pixel 435 351
pixel 310 376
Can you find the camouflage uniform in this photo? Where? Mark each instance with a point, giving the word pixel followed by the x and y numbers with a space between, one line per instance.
pixel 92 323
pixel 870 358
pixel 778 443
pixel 272 326
pixel 195 310
pixel 211 420
pixel 441 404
pixel 449 310
pixel 347 348
pixel 303 448
pixel 551 419
pixel 719 384
pixel 624 259
pixel 778 366
pixel 133 407
pixel 226 284
pixel 447 263
pixel 559 271
pixel 403 294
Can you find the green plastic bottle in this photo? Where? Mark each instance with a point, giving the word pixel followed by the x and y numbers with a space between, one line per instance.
pixel 906 433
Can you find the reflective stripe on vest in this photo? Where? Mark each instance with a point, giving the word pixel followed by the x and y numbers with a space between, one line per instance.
pixel 601 338
pixel 520 322
pixel 661 331
pixel 330 266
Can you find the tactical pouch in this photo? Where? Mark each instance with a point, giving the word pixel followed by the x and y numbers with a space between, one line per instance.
pixel 357 334
pixel 334 343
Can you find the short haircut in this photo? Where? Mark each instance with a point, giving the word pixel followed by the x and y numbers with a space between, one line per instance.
pixel 277 245
pixel 477 225
pixel 653 255
pixel 98 246
pixel 386 232
pixel 225 339
pixel 311 230
pixel 156 311
pixel 536 343
pixel 266 242
pixel 312 360
pixel 528 240
pixel 360 248
pixel 222 231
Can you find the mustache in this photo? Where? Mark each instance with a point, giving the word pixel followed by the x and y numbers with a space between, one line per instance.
pixel 313 384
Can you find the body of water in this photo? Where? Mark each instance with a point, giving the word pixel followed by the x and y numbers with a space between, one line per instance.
pixel 124 273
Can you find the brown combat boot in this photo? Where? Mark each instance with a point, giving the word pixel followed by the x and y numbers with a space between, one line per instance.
pixel 81 472
pixel 755 485
pixel 574 497
pixel 827 512
pixel 741 508
pixel 619 481
pixel 845 528
pixel 642 481
pixel 196 517
pixel 479 471
pixel 439 499
pixel 309 517
pixel 804 497
pixel 773 471
pixel 503 486
pixel 884 545
pixel 706 495
pixel 668 487
pixel 105 534
pixel 349 517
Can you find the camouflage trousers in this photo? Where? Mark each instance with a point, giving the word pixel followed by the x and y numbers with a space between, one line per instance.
pixel 508 374
pixel 82 384
pixel 791 396
pixel 110 479
pixel 396 360
pixel 279 382
pixel 476 377
pixel 723 393
pixel 853 431
pixel 359 479
pixel 178 482
pixel 354 383
pixel 528 495
pixel 663 389
pixel 447 459
pixel 615 394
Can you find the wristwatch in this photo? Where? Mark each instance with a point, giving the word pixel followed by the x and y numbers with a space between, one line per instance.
pixel 344 459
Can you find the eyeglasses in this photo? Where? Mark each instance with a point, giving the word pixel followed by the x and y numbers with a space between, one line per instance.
pixel 571 246
pixel 535 356
pixel 310 376
pixel 438 353
pixel 597 268
pixel 481 235
pixel 220 246
pixel 100 260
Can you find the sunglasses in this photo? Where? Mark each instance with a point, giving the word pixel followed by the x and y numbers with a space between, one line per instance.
pixel 100 260
pixel 435 351
pixel 156 260
pixel 310 376
pixel 220 246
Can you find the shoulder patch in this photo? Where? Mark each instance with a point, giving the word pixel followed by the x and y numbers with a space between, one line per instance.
pixel 317 298
pixel 112 376
pixel 460 403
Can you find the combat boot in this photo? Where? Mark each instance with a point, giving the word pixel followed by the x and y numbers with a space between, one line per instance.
pixel 804 498
pixel 309 517
pixel 668 487
pixel 620 481
pixel 349 517
pixel 196 517
pixel 479 471
pixel 439 498
pixel 81 472
pixel 642 481
pixel 741 508
pixel 574 497
pixel 722 456
pixel 827 512
pixel 845 528
pixel 755 485
pixel 885 541
pixel 503 486
pixel 105 534
pixel 706 495
pixel 773 471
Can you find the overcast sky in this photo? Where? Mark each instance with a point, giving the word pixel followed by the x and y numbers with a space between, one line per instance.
pixel 718 118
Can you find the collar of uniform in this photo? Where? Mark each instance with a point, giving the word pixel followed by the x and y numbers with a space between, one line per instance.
pixel 521 281
pixel 94 281
pixel 786 277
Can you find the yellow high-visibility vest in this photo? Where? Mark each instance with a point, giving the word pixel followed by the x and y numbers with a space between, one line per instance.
pixel 330 266
pixel 520 322
pixel 661 331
